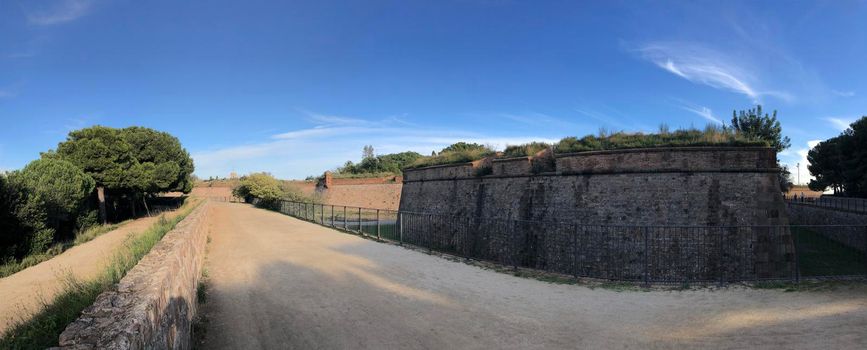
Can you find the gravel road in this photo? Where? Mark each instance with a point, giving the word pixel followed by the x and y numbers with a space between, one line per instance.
pixel 277 282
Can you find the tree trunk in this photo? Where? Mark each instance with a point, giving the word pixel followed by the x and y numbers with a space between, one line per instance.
pixel 100 195
pixel 145 202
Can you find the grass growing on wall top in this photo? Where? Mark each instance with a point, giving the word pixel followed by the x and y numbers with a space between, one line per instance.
pixel 525 150
pixel 452 157
pixel 712 135
pixel 44 328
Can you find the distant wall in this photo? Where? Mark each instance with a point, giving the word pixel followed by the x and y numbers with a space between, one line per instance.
pixel 153 305
pixel 853 236
pixel 696 186
pixel 375 192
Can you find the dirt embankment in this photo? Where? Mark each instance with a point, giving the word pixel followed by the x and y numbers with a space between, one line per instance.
pixel 22 293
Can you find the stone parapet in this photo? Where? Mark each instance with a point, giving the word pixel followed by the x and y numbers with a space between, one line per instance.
pixel 153 305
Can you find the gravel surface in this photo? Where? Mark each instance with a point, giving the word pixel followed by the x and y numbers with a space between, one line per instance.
pixel 277 282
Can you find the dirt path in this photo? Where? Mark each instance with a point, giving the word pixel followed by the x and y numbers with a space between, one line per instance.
pixel 22 293
pixel 277 282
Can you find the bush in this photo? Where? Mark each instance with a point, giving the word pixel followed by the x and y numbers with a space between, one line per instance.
pixel 525 150
pixel 378 166
pixel 259 185
pixel 460 152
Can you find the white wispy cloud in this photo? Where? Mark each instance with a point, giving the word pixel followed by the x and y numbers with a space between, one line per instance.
pixel 308 151
pixel 702 65
pixel 61 12
pixel 843 93
pixel 840 123
pixel 704 112
pixel 606 119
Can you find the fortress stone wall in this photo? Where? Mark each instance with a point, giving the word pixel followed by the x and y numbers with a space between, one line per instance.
pixel 685 186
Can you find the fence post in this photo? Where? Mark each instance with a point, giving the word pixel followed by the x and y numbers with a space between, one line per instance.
pixel 400 227
pixel 378 234
pixel 646 256
pixel 332 216
pixel 344 218
pixel 360 229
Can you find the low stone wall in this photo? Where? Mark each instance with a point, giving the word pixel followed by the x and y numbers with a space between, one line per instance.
pixel 852 236
pixel 153 305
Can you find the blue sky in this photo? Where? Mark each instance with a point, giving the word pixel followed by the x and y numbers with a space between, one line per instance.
pixel 296 88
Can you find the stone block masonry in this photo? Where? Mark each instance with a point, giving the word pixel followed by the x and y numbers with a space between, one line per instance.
pixel 719 191
pixel 153 305
pixel 854 236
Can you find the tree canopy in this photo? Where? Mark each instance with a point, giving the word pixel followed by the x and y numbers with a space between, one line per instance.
pixel 132 159
pixel 840 163
pixel 751 123
pixel 39 200
pixel 375 165
pixel 56 185
pixel 464 147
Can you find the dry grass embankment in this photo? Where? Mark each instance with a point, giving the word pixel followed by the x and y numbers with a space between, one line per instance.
pixel 43 329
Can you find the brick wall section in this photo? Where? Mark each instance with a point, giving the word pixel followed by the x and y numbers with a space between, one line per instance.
pixel 855 237
pixel 153 305
pixel 695 186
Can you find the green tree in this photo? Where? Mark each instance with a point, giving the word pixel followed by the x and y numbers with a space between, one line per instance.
pixel 161 163
pixel 751 123
pixel 826 165
pixel 841 162
pixel 130 163
pixel 12 237
pixel 52 194
pixel 367 152
pixel 464 146
pixel 387 163
pixel 57 185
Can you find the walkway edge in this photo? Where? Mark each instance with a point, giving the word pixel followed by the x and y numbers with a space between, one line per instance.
pixel 154 304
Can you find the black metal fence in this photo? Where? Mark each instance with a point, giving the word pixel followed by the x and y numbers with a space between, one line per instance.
pixel 649 254
pixel 858 205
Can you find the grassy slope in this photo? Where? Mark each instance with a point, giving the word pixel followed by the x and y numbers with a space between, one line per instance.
pixel 42 331
pixel 12 267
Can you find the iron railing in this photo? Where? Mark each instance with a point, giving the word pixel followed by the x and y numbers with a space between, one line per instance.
pixel 649 254
pixel 858 205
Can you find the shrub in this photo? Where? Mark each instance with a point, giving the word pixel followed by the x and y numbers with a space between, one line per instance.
pixel 378 166
pixel 57 186
pixel 525 150
pixel 259 185
pixel 456 155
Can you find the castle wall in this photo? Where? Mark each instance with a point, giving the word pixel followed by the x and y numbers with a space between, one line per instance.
pixel 696 186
